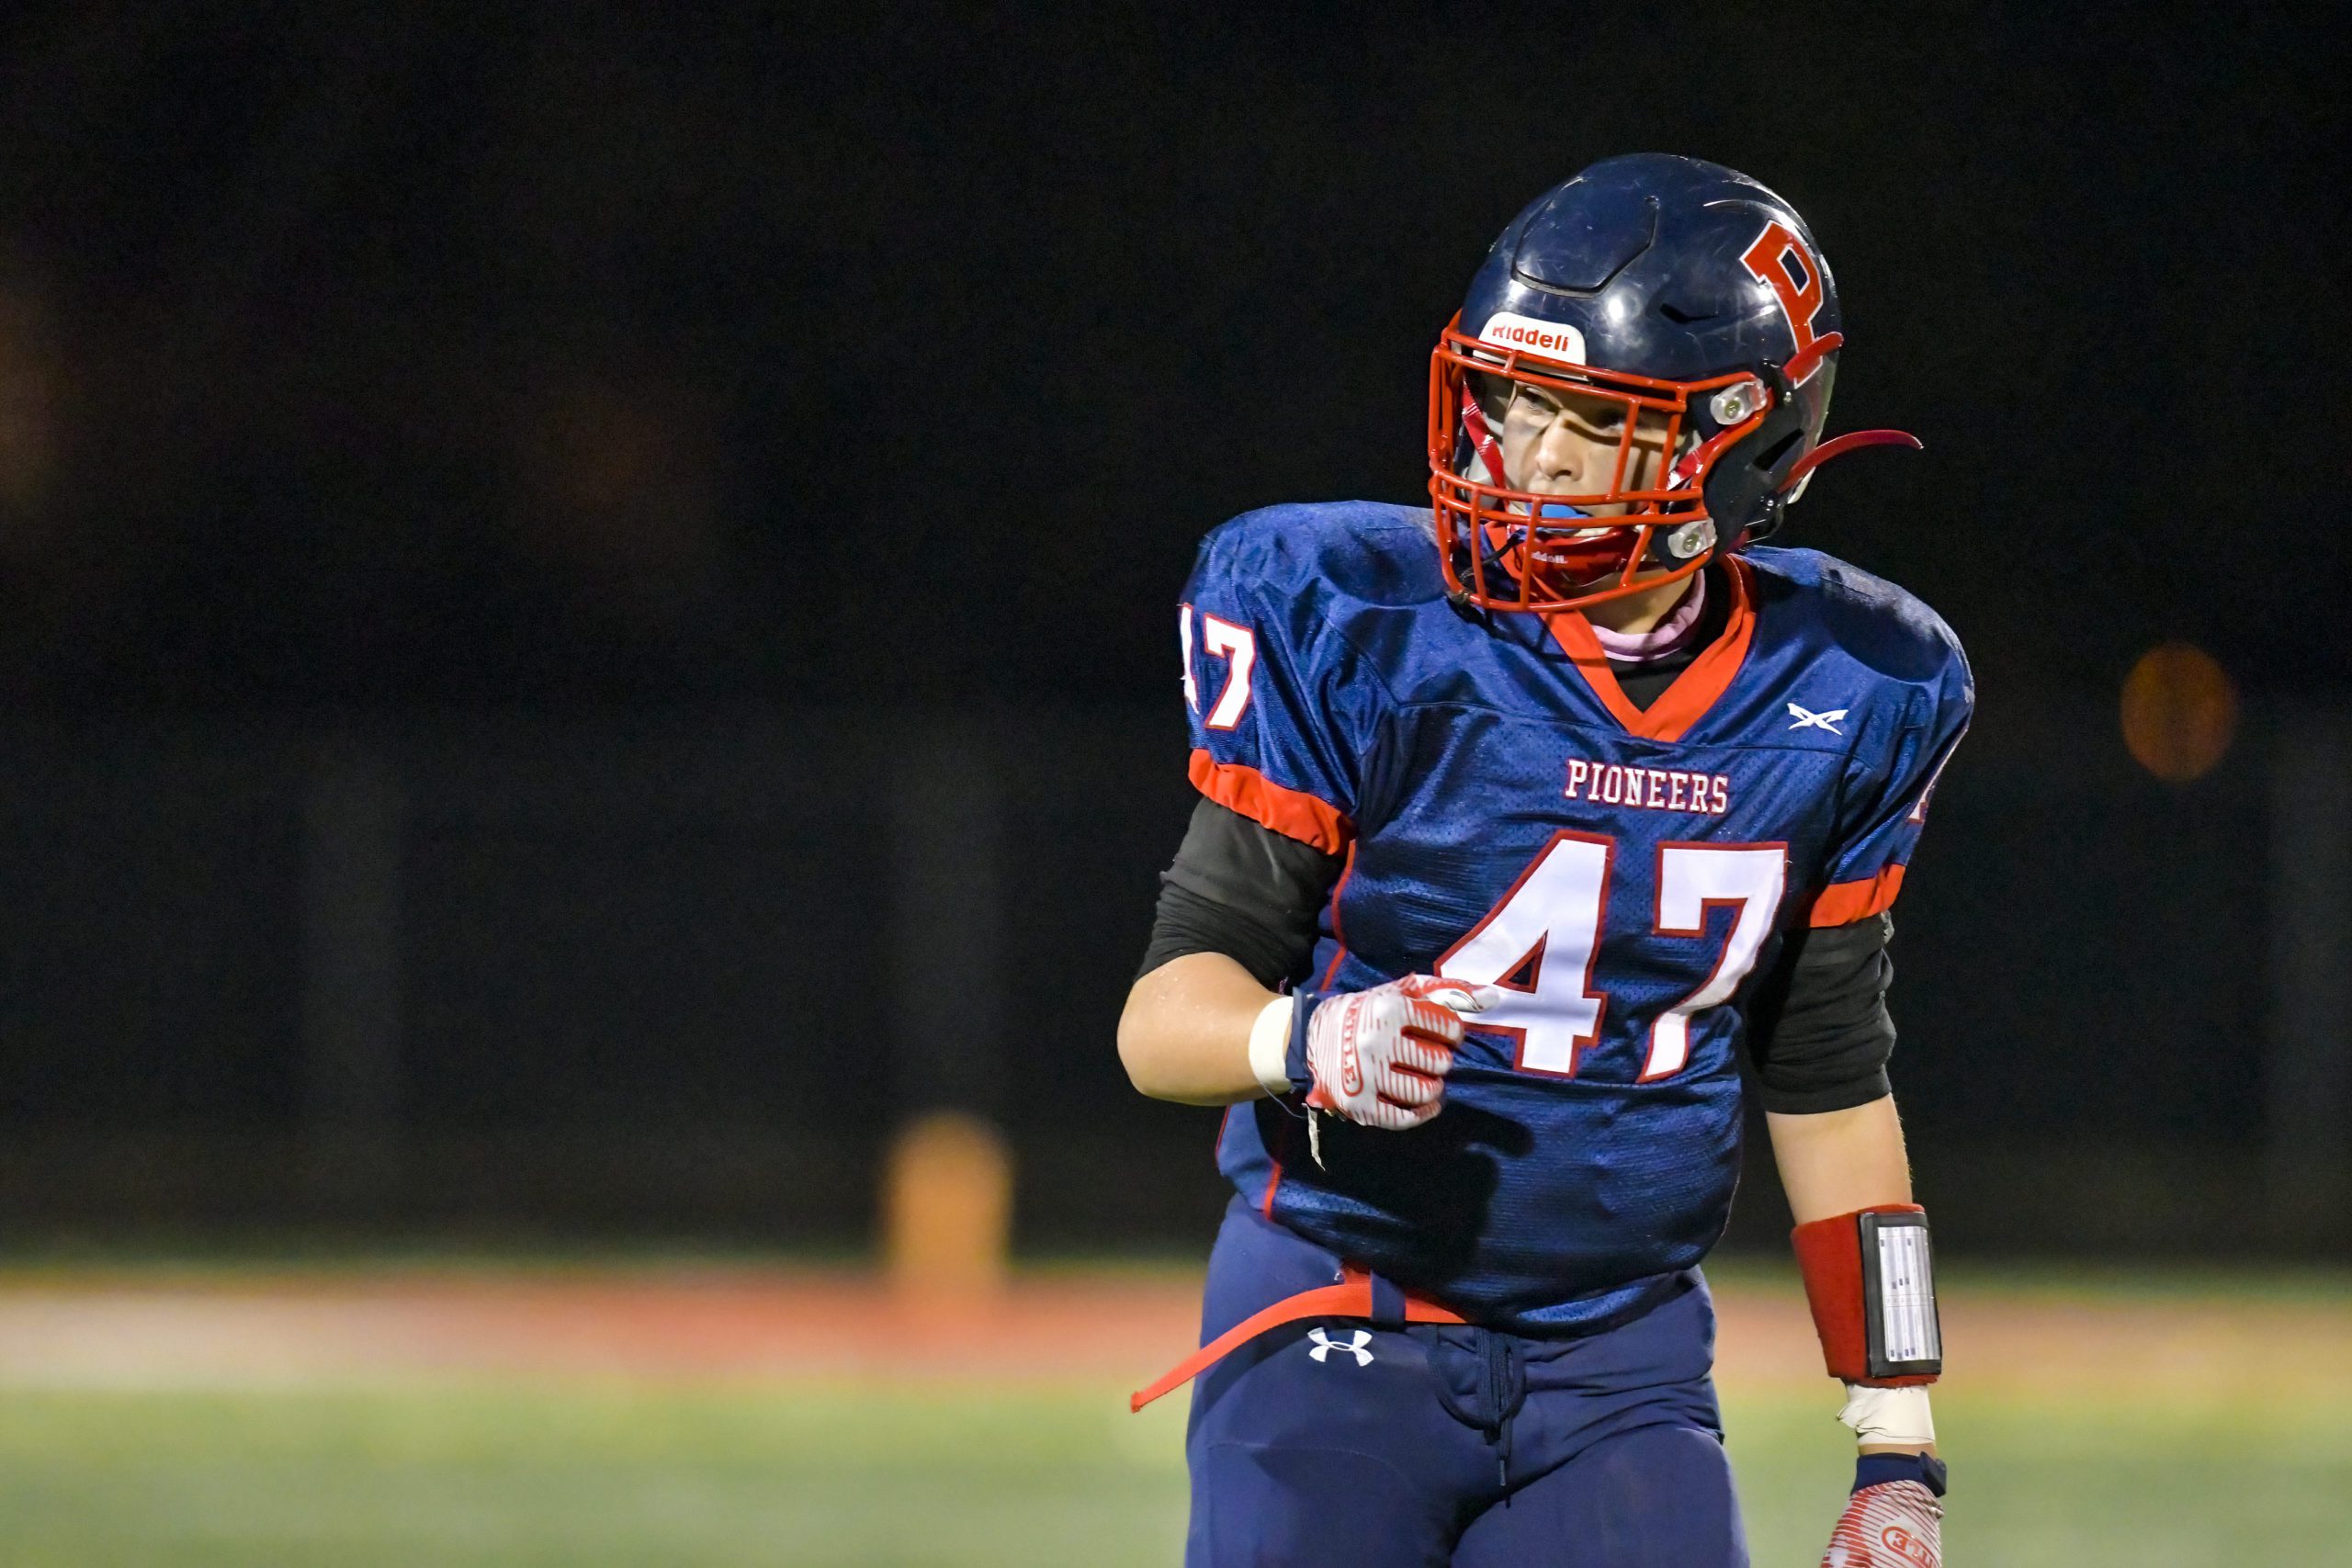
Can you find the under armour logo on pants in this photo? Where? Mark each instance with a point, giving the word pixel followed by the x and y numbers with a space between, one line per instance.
pixel 1354 1345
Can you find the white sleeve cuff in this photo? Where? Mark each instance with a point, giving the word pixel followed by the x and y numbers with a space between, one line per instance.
pixel 1888 1415
pixel 1269 1046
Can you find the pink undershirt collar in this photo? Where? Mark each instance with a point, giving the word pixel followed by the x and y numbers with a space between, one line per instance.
pixel 1669 636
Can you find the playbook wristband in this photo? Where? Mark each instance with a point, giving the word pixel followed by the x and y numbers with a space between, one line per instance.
pixel 1870 1283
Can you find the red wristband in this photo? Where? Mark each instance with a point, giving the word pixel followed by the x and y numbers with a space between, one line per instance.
pixel 1869 1281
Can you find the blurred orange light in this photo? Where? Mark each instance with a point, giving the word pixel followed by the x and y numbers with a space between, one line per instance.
pixel 947 1211
pixel 2180 711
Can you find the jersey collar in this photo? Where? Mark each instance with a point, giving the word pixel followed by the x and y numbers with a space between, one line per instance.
pixel 1694 691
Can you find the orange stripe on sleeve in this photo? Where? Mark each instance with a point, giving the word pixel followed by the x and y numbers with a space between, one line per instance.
pixel 1292 813
pixel 1843 903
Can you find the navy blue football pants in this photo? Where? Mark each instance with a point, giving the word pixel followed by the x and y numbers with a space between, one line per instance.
pixel 1345 1443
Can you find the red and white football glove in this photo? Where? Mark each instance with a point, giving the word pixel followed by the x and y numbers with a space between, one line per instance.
pixel 1379 1058
pixel 1896 1524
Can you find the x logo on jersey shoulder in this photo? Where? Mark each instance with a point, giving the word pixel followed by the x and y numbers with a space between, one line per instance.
pixel 1808 719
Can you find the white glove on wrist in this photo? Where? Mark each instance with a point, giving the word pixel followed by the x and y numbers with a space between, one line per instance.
pixel 1897 1524
pixel 1379 1058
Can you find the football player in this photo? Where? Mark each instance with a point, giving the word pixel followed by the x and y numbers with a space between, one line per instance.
pixel 1524 817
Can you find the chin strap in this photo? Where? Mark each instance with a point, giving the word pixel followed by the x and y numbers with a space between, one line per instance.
pixel 1852 441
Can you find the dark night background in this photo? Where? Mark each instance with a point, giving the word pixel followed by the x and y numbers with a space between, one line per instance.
pixel 568 389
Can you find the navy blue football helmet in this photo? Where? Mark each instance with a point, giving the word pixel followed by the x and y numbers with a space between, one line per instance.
pixel 1690 303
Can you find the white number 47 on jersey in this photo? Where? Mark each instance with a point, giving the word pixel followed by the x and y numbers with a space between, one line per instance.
pixel 1540 942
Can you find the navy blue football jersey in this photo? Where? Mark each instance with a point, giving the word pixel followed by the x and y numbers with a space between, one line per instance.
pixel 1509 817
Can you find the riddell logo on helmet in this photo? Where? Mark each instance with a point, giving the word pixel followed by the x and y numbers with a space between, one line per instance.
pixel 1506 329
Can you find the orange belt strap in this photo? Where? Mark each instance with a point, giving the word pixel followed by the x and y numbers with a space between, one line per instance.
pixel 1352 1297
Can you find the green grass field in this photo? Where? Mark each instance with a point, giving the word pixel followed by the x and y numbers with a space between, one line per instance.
pixel 824 1472
pixel 831 1477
